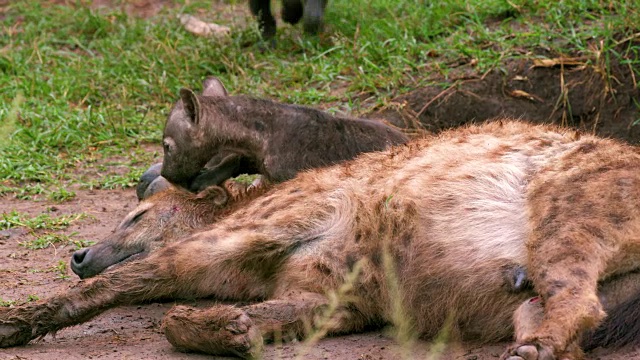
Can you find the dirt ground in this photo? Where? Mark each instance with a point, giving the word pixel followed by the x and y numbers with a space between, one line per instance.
pixel 573 93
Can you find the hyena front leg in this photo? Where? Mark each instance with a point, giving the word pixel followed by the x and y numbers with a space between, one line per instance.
pixel 612 293
pixel 227 329
pixel 565 261
pixel 129 283
pixel 171 272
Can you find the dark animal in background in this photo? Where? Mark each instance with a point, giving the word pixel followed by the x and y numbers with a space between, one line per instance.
pixel 210 138
pixel 310 11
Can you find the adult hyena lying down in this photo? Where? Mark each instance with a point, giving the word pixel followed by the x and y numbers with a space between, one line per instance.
pixel 450 212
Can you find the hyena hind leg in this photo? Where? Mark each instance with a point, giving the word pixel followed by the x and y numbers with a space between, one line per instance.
pixel 231 330
pixel 566 277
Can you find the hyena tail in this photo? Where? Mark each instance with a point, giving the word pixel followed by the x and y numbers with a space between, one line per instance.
pixel 621 327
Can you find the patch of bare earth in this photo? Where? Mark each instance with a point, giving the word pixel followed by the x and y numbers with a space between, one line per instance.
pixel 572 91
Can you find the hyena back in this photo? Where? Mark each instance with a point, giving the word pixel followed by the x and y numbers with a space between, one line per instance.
pixel 444 216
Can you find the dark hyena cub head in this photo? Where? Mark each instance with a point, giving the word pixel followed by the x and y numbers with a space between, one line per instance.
pixel 185 142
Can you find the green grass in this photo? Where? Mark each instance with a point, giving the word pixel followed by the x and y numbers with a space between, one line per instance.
pixel 42 227
pixel 14 219
pixel 7 303
pixel 81 88
pixel 60 269
pixel 52 239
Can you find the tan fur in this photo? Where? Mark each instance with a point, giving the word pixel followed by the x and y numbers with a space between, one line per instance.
pixel 611 294
pixel 445 216
pixel 165 217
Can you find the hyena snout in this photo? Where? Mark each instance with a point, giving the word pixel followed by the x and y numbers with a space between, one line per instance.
pixel 79 262
pixel 108 253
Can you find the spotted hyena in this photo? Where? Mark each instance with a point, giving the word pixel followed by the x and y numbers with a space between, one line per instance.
pixel 166 215
pixel 430 225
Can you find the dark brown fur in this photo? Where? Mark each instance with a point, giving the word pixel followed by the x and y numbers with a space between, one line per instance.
pixel 210 138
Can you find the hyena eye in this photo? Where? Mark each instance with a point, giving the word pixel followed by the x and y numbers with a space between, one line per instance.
pixel 169 145
pixel 136 218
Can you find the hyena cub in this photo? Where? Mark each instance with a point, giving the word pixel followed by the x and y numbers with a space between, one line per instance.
pixel 210 138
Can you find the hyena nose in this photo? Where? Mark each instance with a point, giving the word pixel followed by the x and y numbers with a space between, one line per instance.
pixel 78 263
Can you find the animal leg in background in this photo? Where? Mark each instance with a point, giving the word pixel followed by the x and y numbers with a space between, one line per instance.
pixel 267 23
pixel 292 11
pixel 313 16
pixel 312 12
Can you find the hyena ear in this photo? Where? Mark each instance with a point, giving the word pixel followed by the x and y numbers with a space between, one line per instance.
pixel 211 86
pixel 191 105
pixel 158 185
pixel 152 173
pixel 216 194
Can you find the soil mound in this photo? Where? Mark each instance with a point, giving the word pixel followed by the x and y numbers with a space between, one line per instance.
pixel 577 92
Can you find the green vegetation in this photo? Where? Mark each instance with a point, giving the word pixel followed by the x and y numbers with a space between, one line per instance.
pixel 43 221
pixel 83 87
pixel 41 228
pixel 7 303
pixel 61 194
pixel 60 269
pixel 49 239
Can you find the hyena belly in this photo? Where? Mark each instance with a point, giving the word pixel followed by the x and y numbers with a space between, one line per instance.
pixel 476 228
pixel 477 223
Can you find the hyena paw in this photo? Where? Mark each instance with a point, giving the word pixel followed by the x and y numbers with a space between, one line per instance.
pixel 245 337
pixel 221 330
pixel 528 352
pixel 14 333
